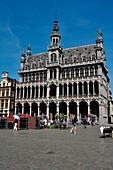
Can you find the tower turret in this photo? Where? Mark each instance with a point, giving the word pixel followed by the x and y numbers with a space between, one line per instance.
pixel 55 36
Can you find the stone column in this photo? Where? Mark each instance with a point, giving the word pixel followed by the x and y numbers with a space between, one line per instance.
pixel 38 109
pixel 77 89
pixel 88 88
pixel 47 106
pixel 68 112
pixel 30 109
pixel 22 108
pixel 62 89
pixel 78 112
pixel 72 90
pixel 67 89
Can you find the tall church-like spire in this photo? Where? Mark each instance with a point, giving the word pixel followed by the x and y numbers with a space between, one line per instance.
pixel 55 35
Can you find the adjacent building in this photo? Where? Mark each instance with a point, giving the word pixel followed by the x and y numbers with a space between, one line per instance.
pixel 7 95
pixel 64 80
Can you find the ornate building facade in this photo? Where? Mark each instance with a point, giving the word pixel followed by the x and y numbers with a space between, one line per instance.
pixel 7 95
pixel 64 80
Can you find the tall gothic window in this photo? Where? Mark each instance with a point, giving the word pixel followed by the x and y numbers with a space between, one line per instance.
pixel 81 72
pixel 86 71
pixel 67 74
pixel 77 72
pixel 91 71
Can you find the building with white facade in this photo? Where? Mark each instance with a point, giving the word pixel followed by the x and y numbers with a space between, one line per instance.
pixel 7 95
pixel 64 80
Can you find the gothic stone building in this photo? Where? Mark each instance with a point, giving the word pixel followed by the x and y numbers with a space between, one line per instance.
pixel 64 80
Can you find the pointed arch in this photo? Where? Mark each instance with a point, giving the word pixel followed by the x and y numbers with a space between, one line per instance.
pixel 94 107
pixel 73 108
pixel 83 108
pixel 26 108
pixel 63 107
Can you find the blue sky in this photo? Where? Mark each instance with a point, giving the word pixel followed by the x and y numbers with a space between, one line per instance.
pixel 24 21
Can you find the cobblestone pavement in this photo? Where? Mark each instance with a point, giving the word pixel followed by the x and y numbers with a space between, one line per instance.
pixel 54 149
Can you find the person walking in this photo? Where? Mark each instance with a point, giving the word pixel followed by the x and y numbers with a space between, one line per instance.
pixel 15 124
pixel 74 124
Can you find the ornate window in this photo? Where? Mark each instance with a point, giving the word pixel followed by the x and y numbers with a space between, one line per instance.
pixel 72 73
pixel 67 74
pixel 93 57
pixel 53 57
pixel 77 72
pixel 91 71
pixel 74 59
pixel 63 74
pixel 84 59
pixel 86 71
pixel 81 72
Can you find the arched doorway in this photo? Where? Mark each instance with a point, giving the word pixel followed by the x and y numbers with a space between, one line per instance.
pixel 19 108
pixel 73 108
pixel 63 108
pixel 34 109
pixel 94 107
pixel 52 110
pixel 26 108
pixel 42 108
pixel 83 109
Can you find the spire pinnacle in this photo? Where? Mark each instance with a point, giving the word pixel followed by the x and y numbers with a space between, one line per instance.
pixel 99 40
pixel 99 34
pixel 29 49
pixel 23 54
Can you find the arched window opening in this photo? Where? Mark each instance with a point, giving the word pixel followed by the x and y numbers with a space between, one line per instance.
pixel 91 88
pixel 85 88
pixel 33 91
pixel 21 92
pixel 63 74
pixel 77 72
pixel 96 87
pixel 37 91
pixel 65 89
pixel 67 74
pixel 41 91
pixel 72 73
pixel 29 92
pixel 60 89
pixel 45 91
pixel 91 71
pixel 75 89
pixel 86 72
pixel 25 92
pixel 54 73
pixel 70 89
pixel 81 72
pixel 51 72
pixel 80 88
